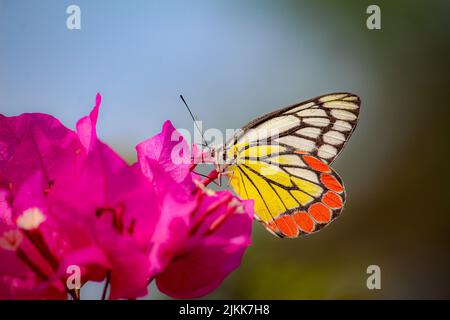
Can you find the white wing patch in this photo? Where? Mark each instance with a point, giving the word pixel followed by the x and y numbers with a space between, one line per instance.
pixel 285 122
pixel 327 152
pixel 309 132
pixel 303 173
pixel 330 97
pixel 343 115
pixel 319 122
pixel 340 105
pixel 342 126
pixel 303 107
pixel 334 137
pixel 312 113
pixel 297 143
pixel 270 128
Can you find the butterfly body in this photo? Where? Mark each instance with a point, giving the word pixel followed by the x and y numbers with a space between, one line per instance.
pixel 282 161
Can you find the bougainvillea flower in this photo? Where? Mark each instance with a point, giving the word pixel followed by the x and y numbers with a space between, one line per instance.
pixel 24 272
pixel 34 142
pixel 118 207
pixel 169 151
pixel 68 199
pixel 30 145
pixel 213 246
pixel 202 235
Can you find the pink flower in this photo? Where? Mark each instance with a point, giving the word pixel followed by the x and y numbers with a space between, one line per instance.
pixel 30 145
pixel 68 199
pixel 213 245
pixel 118 208
pixel 202 235
pixel 34 142
pixel 169 151
pixel 22 270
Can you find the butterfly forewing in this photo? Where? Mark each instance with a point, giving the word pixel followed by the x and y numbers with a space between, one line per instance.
pixel 320 126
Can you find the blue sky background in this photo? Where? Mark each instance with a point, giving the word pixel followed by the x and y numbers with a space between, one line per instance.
pixel 233 60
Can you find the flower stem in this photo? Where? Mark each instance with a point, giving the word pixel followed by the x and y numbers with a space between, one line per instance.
pixel 105 288
pixel 75 294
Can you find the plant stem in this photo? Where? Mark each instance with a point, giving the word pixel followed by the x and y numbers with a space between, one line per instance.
pixel 105 288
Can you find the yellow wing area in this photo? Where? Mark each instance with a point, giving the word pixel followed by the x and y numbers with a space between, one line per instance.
pixel 293 193
pixel 273 190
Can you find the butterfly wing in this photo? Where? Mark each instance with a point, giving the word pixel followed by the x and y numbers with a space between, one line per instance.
pixel 320 126
pixel 281 161
pixel 294 193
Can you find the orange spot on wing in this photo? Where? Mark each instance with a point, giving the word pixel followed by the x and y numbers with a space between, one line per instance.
pixel 272 226
pixel 320 212
pixel 287 226
pixel 316 164
pixel 331 182
pixel 304 222
pixel 300 152
pixel 332 200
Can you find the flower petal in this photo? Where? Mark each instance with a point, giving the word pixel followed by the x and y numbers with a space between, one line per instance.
pixel 86 127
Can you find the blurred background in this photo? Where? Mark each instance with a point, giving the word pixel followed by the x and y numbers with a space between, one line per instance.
pixel 235 60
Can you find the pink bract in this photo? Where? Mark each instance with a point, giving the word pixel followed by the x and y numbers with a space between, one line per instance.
pixel 67 199
pixel 202 234
pixel 98 211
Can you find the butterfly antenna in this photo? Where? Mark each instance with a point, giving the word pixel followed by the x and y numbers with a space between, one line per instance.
pixel 195 120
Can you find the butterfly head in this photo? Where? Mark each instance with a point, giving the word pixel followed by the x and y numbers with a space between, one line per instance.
pixel 218 156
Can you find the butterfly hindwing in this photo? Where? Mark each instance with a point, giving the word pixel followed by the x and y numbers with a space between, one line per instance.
pixel 294 193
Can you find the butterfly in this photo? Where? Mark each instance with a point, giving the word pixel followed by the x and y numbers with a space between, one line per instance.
pixel 282 162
